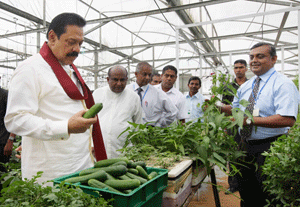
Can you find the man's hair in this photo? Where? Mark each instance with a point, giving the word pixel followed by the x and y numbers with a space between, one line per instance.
pixel 141 65
pixel 155 74
pixel 195 78
pixel 169 67
pixel 271 47
pixel 114 67
pixel 241 61
pixel 61 21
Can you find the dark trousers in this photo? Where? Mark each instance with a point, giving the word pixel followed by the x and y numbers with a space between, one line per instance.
pixel 3 158
pixel 250 180
pixel 232 180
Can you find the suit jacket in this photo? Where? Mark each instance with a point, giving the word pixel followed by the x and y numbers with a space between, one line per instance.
pixel 4 134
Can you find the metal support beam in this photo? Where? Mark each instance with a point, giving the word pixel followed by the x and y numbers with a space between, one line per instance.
pixel 158 11
pixel 285 16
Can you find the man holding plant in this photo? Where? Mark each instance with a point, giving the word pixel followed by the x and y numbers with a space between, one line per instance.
pixel 240 69
pixel 273 103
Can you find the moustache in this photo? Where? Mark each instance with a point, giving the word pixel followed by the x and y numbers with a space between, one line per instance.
pixel 73 54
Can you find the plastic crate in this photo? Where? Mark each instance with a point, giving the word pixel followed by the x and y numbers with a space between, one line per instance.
pixel 147 195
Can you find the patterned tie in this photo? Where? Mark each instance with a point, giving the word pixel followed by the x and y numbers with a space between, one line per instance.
pixel 247 130
pixel 140 92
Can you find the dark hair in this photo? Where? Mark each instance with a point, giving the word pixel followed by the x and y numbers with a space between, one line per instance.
pixel 116 67
pixel 241 61
pixel 155 74
pixel 141 65
pixel 272 48
pixel 61 21
pixel 195 78
pixel 169 67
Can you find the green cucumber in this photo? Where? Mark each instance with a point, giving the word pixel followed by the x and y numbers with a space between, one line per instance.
pixel 99 175
pixel 127 191
pixel 124 177
pixel 112 170
pixel 98 184
pixel 131 164
pixel 142 172
pixel 120 163
pixel 107 162
pixel 88 171
pixel 143 180
pixel 141 163
pixel 93 111
pixel 110 177
pixel 115 171
pixel 133 171
pixel 123 184
pixel 152 175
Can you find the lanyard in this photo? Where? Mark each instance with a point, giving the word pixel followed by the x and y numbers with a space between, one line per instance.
pixel 143 95
pixel 255 99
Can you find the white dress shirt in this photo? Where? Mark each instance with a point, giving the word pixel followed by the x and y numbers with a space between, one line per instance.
pixel 178 99
pixel 194 106
pixel 38 109
pixel 157 107
pixel 118 109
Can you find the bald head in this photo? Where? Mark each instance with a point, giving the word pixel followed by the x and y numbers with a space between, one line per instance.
pixel 117 67
pixel 117 78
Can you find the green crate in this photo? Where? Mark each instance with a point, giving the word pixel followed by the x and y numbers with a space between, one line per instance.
pixel 147 195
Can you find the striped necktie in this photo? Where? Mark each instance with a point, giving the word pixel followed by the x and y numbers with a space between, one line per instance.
pixel 247 130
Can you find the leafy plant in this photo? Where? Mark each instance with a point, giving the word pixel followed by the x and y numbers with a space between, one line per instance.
pixel 282 168
pixel 30 193
pixel 206 141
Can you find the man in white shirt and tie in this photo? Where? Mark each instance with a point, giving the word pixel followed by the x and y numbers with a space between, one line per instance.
pixel 157 107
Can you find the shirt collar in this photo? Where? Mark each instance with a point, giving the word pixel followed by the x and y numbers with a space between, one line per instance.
pixel 196 95
pixel 136 86
pixel 264 77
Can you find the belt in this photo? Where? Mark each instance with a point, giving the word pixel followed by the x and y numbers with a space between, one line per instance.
pixel 263 141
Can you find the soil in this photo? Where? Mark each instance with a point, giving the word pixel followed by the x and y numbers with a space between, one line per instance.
pixel 205 197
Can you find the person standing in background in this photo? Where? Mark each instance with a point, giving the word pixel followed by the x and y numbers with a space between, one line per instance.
pixel 155 79
pixel 194 100
pixel 169 77
pixel 158 109
pixel 6 138
pixel 240 69
pixel 120 106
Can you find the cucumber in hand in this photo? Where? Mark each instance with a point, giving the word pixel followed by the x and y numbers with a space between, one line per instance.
pixel 93 111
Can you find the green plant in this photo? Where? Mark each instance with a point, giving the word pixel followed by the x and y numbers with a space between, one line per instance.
pixel 28 193
pixel 282 168
pixel 205 140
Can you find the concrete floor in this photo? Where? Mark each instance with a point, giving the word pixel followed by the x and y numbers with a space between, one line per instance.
pixel 205 197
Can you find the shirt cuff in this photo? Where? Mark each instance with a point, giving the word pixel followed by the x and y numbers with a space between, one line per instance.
pixel 60 128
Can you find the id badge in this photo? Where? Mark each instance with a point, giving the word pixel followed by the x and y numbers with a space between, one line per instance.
pixel 255 112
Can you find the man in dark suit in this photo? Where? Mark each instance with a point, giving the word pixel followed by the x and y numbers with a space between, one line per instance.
pixel 6 139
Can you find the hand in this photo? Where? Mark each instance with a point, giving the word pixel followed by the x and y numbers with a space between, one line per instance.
pixel 19 150
pixel 78 124
pixel 8 147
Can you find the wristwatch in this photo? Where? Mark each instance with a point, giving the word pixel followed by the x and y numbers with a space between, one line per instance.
pixel 11 138
pixel 248 121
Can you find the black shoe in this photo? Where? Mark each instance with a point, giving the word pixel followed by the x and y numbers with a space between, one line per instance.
pixel 230 191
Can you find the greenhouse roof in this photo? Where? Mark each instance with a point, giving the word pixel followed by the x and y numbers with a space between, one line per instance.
pixel 211 34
